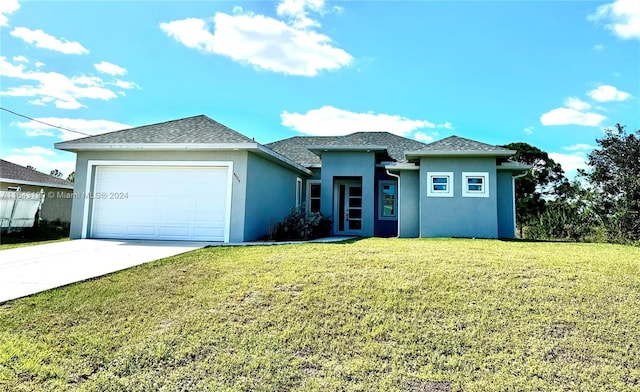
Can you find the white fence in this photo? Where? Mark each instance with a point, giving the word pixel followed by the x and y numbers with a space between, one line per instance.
pixel 18 209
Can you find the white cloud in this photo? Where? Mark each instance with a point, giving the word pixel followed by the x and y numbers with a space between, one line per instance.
pixel 621 16
pixel 91 127
pixel 570 162
pixel 446 125
pixel 45 163
pixel 577 104
pixel 7 7
pixel 423 137
pixel 579 147
pixel 598 47
pixel 126 85
pixel 110 68
pixel 298 12
pixel 261 41
pixel 606 93
pixel 331 121
pixel 568 116
pixel 528 130
pixel 20 59
pixel 39 64
pixel 46 87
pixel 45 41
pixel 37 150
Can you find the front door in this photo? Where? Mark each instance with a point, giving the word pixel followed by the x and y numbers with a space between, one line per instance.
pixel 348 207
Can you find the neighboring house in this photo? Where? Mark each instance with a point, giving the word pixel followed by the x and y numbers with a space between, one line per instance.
pixel 196 179
pixel 58 192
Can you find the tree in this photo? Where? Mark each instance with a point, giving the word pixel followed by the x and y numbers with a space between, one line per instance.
pixel 31 167
pixel 71 177
pixel 545 180
pixel 56 173
pixel 615 179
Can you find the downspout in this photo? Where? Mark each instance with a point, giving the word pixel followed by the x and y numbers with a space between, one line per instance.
pixel 397 212
pixel 513 187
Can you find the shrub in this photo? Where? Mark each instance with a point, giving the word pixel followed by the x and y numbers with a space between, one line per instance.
pixel 301 225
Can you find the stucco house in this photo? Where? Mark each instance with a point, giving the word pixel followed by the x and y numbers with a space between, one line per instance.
pixel 57 203
pixel 196 179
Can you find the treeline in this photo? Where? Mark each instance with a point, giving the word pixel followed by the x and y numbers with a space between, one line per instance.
pixel 601 205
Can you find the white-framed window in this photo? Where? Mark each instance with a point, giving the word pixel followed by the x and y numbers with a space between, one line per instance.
pixel 13 188
pixel 387 199
pixel 475 184
pixel 313 195
pixel 298 191
pixel 440 184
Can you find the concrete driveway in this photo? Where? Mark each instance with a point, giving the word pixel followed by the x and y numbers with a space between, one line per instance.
pixel 32 269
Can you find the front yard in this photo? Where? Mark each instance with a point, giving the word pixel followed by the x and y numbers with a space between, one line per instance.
pixel 375 314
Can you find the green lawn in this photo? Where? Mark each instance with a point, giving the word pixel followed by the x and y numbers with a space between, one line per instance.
pixel 32 236
pixel 375 314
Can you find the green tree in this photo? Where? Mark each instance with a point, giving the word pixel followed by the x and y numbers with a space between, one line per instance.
pixel 545 180
pixel 56 173
pixel 615 180
pixel 71 177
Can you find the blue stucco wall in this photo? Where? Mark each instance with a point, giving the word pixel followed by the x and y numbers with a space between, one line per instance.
pixel 383 227
pixel 349 165
pixel 409 208
pixel 239 159
pixel 271 193
pixel 458 216
pixel 506 218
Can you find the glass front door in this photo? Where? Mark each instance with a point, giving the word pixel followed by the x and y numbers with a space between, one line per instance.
pixel 349 206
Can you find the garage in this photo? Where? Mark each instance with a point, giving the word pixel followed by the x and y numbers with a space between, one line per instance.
pixel 161 202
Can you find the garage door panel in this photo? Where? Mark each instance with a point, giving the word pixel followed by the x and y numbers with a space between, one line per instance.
pixel 166 202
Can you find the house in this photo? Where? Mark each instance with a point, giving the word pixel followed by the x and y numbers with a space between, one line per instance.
pixel 196 179
pixel 57 203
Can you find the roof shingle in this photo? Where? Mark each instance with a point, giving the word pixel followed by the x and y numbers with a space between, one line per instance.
pixel 460 144
pixel 11 171
pixel 197 129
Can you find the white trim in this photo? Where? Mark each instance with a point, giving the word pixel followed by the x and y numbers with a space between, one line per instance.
pixel 380 206
pixel 71 146
pixel 35 183
pixel 485 184
pixel 91 164
pixel 298 191
pixel 308 195
pixel 397 177
pixel 433 193
pixel 448 153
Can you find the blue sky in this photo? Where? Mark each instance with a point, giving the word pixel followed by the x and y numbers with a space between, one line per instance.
pixel 552 74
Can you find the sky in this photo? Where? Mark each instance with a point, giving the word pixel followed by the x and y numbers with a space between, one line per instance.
pixel 553 74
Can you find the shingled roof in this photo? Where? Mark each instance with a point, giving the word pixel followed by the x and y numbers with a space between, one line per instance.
pixel 460 144
pixel 197 129
pixel 10 172
pixel 297 147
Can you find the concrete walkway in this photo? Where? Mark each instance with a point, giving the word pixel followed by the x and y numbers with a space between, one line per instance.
pixel 32 269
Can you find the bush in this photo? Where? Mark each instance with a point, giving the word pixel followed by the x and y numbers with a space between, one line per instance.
pixel 301 225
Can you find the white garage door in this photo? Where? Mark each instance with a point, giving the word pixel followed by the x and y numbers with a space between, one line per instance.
pixel 161 203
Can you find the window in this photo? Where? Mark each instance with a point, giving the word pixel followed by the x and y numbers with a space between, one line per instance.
pixel 440 184
pixel 13 188
pixel 475 184
pixel 387 199
pixel 313 196
pixel 298 191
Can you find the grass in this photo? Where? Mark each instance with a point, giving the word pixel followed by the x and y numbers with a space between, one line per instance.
pixel 33 236
pixel 375 314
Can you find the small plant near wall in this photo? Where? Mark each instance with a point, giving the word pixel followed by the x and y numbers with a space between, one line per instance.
pixel 301 225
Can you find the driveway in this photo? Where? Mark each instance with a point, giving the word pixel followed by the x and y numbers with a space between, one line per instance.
pixel 30 270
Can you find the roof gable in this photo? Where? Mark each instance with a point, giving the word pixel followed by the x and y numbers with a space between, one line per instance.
pixel 460 144
pixel 10 171
pixel 191 130
pixel 297 147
